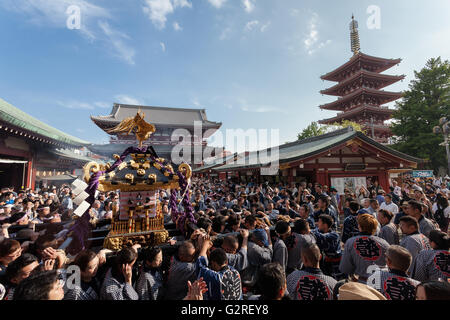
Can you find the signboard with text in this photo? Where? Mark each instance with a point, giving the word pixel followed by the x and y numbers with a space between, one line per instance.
pixel 423 174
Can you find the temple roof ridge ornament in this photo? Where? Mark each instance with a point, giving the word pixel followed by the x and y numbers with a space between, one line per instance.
pixel 354 36
pixel 142 129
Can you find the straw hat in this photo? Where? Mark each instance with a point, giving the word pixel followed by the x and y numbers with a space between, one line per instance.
pixel 359 291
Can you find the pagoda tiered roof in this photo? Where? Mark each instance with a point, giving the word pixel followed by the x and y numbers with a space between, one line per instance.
pixel 360 61
pixel 382 96
pixel 364 109
pixel 362 78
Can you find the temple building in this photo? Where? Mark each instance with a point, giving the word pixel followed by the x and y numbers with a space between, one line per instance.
pixel 31 150
pixel 344 159
pixel 359 84
pixel 166 121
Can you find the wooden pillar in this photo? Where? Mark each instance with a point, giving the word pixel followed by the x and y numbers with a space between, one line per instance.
pixel 29 175
pixel 383 180
pixel 290 176
pixel 320 177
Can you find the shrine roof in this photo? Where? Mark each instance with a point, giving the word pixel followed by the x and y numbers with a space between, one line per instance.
pixel 387 80
pixel 158 116
pixel 217 162
pixel 16 117
pixel 356 111
pixel 381 63
pixel 388 95
pixel 310 147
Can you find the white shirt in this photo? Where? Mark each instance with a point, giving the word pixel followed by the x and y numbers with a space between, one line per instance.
pixel 437 182
pixel 446 210
pixel 392 207
pixel 398 191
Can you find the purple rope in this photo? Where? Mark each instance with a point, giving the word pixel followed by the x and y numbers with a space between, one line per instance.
pixel 188 214
pixel 82 228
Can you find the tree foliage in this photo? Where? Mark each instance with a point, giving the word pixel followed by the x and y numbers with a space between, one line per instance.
pixel 420 109
pixel 314 129
pixel 345 124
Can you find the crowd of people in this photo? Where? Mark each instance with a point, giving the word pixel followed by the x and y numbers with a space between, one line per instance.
pixel 249 241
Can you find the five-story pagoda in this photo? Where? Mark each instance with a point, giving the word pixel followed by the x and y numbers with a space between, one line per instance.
pixel 359 90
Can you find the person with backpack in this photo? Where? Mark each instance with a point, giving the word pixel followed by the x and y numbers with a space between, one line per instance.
pixel 223 281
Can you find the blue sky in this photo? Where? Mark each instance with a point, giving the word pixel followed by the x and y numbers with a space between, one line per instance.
pixel 250 63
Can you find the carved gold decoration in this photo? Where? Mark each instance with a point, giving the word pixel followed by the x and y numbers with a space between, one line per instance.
pixel 186 170
pixel 152 177
pixel 138 125
pixel 129 177
pixel 140 172
pixel 89 168
pixel 157 166
pixel 107 186
pixel 146 165
pixel 122 166
pixel 134 164
pixel 116 157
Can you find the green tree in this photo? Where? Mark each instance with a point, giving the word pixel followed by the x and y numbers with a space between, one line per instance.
pixel 345 124
pixel 312 130
pixel 420 109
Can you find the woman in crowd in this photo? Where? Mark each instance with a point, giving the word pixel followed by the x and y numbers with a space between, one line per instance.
pixel 118 282
pixel 149 285
pixel 89 287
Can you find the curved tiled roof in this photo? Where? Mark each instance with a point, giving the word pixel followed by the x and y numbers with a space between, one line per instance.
pixel 158 116
pixel 310 147
pixel 20 119
pixel 382 63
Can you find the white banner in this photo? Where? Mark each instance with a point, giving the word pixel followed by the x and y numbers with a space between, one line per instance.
pixel 351 183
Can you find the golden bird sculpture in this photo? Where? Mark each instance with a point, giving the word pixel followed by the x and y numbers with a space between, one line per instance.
pixel 137 125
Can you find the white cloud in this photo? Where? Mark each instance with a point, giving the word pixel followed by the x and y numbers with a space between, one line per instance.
pixel 74 104
pixel 116 40
pixel 251 24
pixel 163 46
pixel 264 27
pixel 53 12
pixel 126 99
pixel 217 3
pixel 177 27
pixel 158 10
pixel 259 108
pixel 311 42
pixel 313 34
pixel 93 21
pixel 196 103
pixel 249 5
pixel 103 105
pixel 225 33
pixel 295 12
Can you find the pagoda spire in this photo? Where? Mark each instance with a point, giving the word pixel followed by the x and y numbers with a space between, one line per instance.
pixel 354 36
